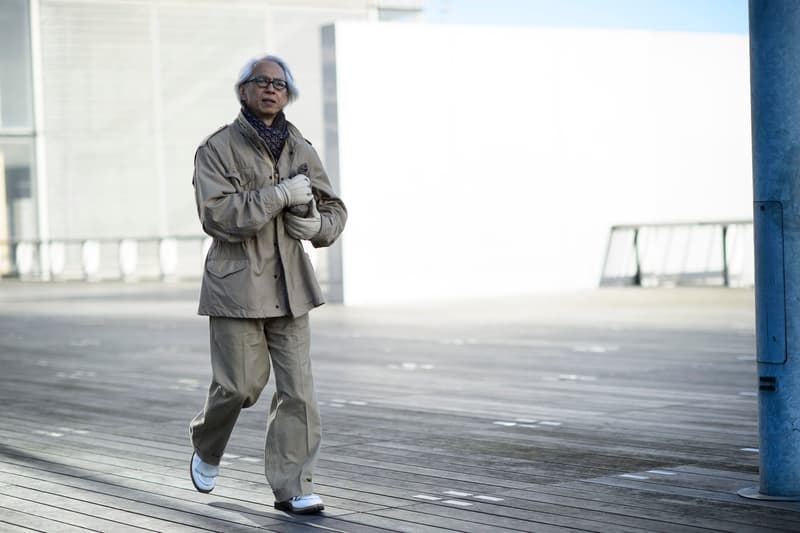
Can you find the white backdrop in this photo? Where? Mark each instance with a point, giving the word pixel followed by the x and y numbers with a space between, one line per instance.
pixel 481 161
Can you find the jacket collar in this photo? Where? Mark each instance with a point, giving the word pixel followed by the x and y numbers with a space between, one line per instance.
pixel 252 135
pixel 244 126
pixel 249 131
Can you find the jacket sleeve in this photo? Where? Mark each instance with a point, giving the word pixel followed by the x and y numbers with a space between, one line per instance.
pixel 331 208
pixel 226 212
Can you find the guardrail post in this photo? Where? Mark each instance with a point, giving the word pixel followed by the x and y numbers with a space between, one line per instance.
pixel 637 278
pixel 58 258
pixel 90 259
pixel 725 273
pixel 24 255
pixel 168 258
pixel 128 257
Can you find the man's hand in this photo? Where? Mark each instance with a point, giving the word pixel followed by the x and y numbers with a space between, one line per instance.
pixel 295 190
pixel 303 227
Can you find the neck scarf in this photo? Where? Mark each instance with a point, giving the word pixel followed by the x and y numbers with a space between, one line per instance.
pixel 275 135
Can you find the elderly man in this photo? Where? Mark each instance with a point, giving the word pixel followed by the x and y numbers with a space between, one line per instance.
pixel 260 190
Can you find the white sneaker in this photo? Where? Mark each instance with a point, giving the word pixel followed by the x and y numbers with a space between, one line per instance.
pixel 204 475
pixel 306 504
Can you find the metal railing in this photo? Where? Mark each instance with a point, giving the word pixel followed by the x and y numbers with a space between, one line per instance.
pixel 676 254
pixel 129 259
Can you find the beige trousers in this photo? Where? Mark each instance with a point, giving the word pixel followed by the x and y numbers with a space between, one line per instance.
pixel 241 352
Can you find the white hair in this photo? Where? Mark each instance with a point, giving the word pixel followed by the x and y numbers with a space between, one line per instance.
pixel 247 72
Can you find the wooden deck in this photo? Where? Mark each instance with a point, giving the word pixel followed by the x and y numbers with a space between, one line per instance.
pixel 616 410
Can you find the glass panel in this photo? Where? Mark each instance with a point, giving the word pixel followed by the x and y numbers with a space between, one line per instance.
pixel 16 93
pixel 17 208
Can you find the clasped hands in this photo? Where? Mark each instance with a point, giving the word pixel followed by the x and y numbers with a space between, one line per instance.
pixel 296 191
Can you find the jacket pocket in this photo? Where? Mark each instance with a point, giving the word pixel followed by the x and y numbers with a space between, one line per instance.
pixel 242 179
pixel 222 268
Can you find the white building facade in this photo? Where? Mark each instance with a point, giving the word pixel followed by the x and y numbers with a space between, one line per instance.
pixel 103 104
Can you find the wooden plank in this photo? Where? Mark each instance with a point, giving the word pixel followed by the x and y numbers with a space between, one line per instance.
pixel 632 434
pixel 729 516
pixel 694 512
pixel 573 507
pixel 724 484
pixel 371 520
pixel 76 459
pixel 13 520
pixel 533 515
pixel 553 467
pixel 167 516
pixel 654 529
pixel 142 491
pixel 587 469
pixel 346 524
pixel 155 488
pixel 698 470
pixel 712 495
pixel 474 523
pixel 27 501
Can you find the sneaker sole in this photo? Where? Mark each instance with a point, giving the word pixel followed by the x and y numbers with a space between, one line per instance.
pixel 287 507
pixel 191 476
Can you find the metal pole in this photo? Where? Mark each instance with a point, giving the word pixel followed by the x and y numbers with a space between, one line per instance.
pixel 726 281
pixel 775 102
pixel 605 260
pixel 637 278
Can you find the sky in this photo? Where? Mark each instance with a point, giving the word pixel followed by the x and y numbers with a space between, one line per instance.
pixel 718 16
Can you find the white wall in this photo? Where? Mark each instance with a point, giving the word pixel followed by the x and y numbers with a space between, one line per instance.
pixel 481 161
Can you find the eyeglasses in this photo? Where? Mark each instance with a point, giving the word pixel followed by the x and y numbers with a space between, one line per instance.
pixel 263 82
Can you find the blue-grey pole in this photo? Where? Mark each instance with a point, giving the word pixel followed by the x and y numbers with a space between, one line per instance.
pixel 775 107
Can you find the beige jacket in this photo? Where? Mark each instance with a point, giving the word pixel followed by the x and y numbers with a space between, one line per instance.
pixel 253 268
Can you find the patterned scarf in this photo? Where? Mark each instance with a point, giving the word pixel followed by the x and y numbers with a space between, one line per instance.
pixel 275 135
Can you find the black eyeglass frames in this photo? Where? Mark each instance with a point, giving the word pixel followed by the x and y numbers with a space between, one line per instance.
pixel 263 82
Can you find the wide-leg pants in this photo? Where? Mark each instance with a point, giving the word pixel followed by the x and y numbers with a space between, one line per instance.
pixel 241 353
